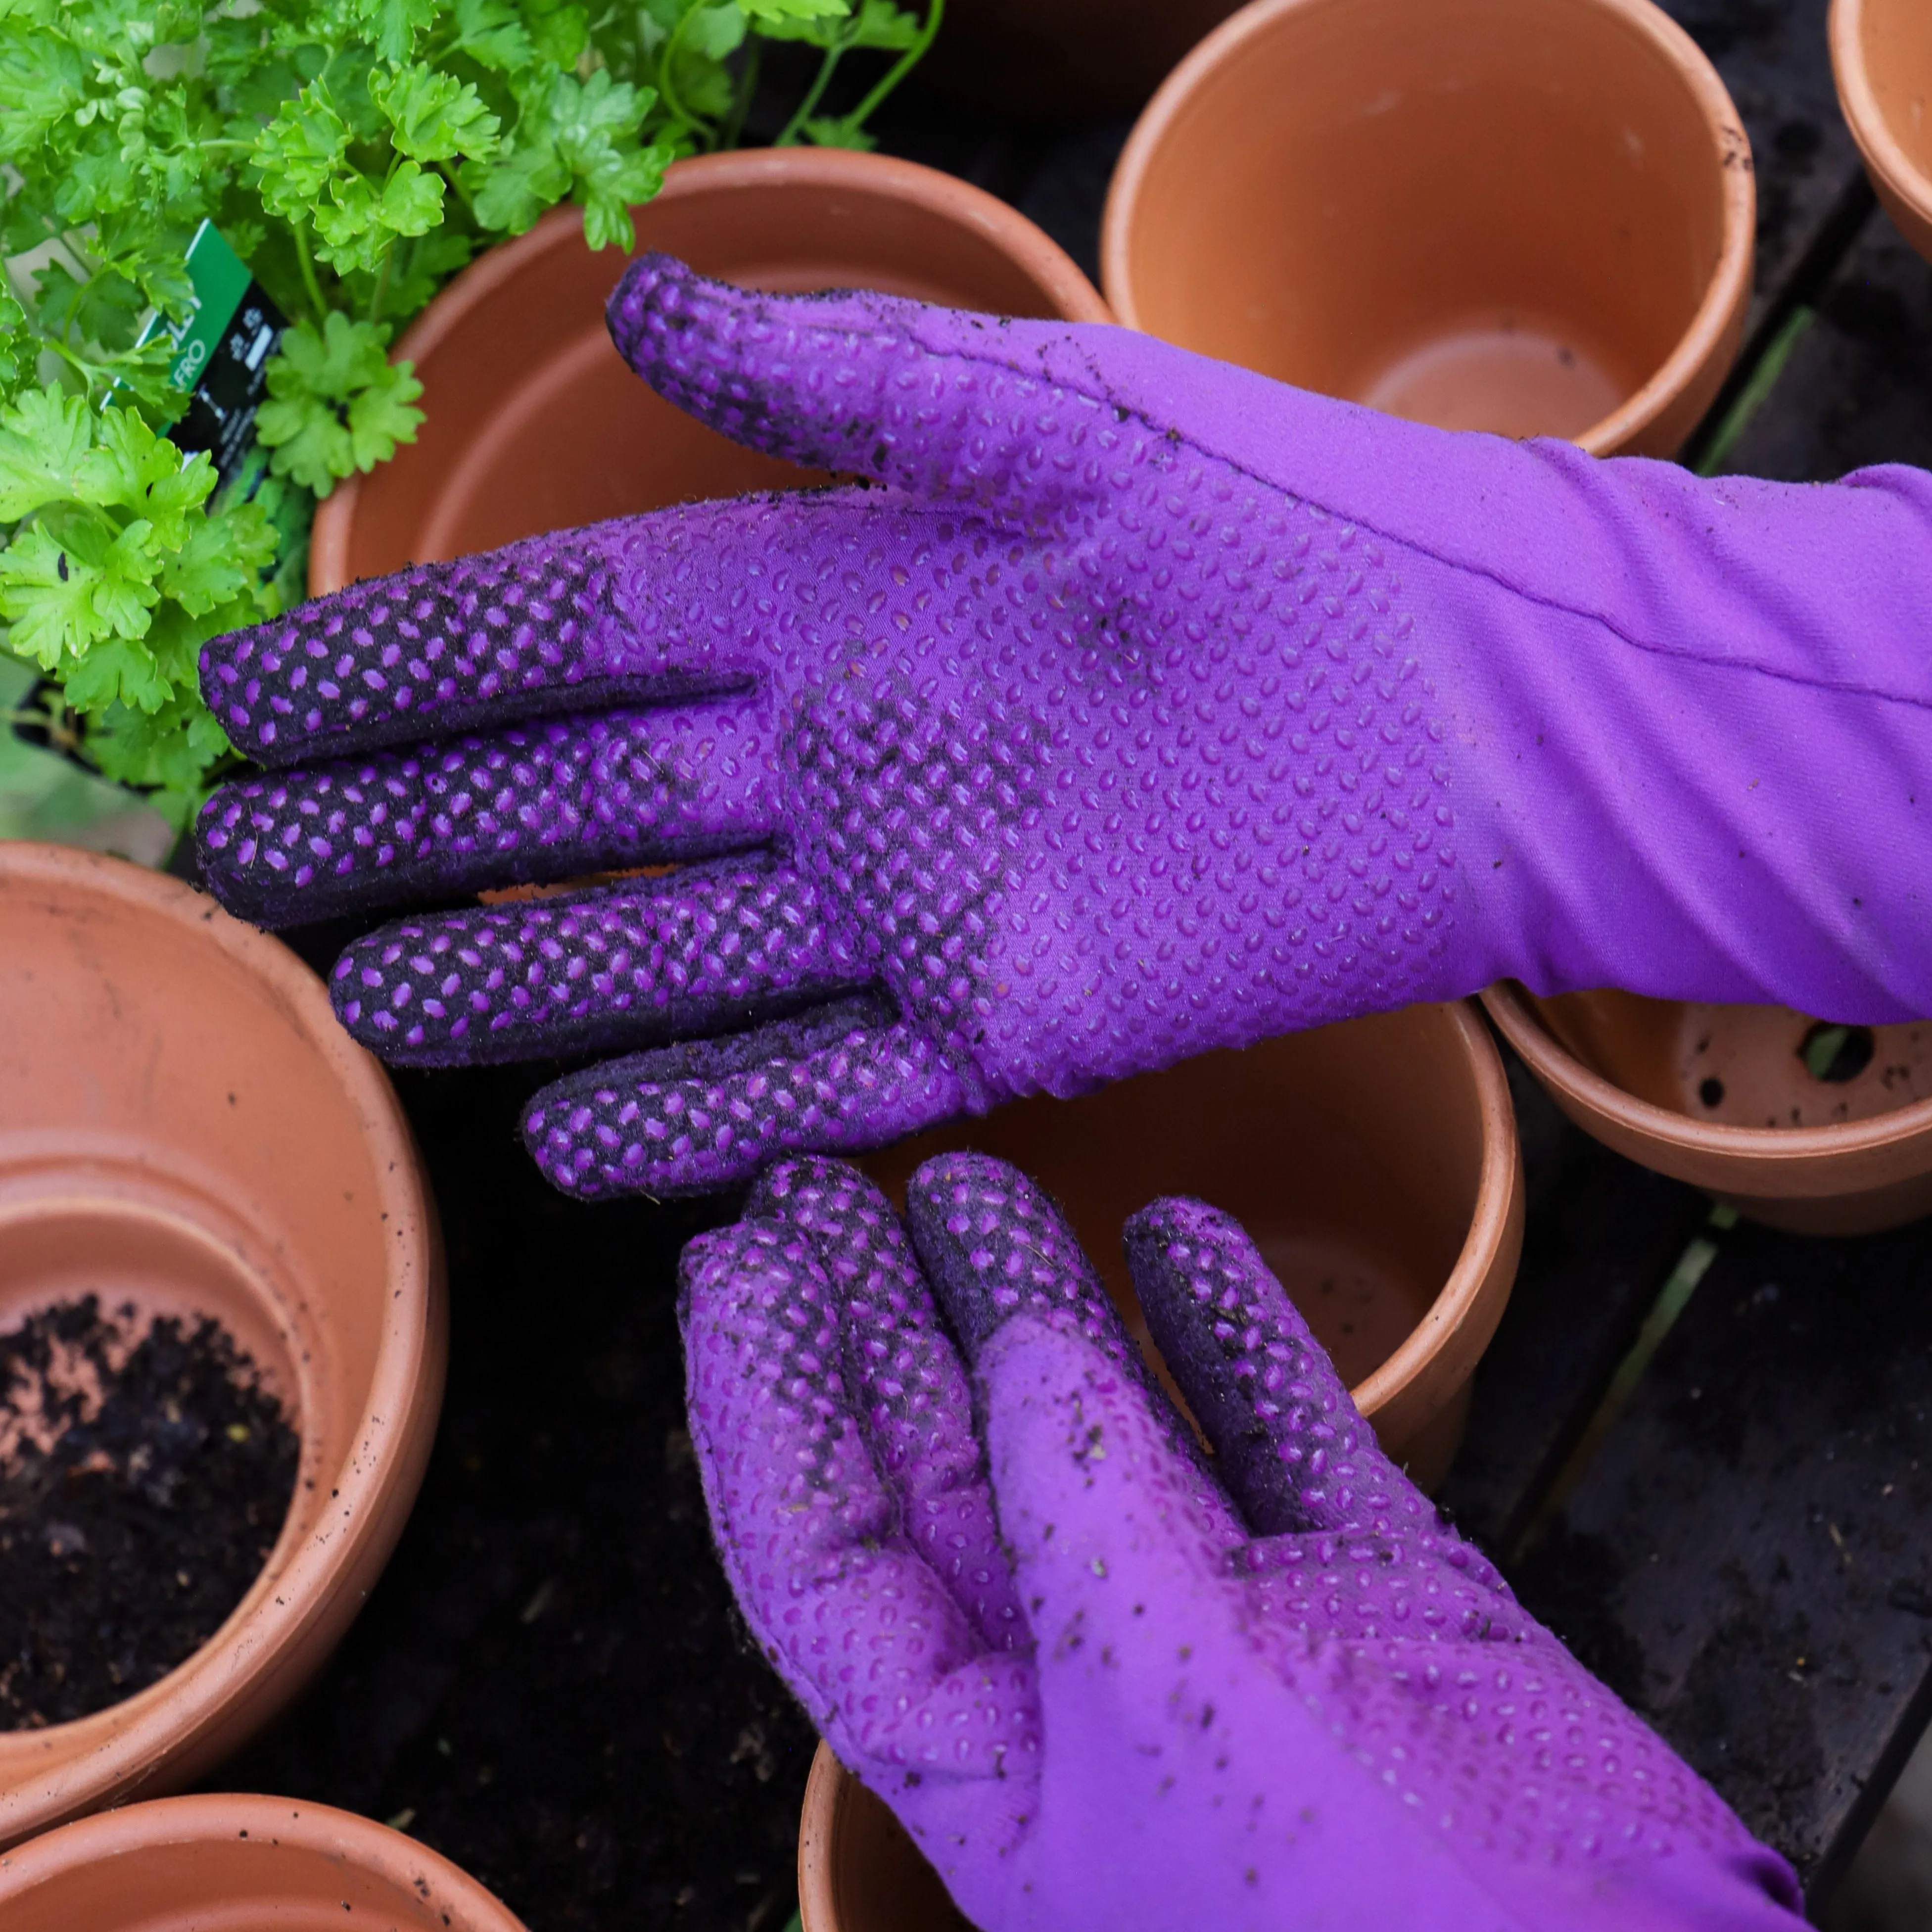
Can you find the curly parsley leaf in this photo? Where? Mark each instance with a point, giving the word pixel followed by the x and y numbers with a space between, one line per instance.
pixel 336 403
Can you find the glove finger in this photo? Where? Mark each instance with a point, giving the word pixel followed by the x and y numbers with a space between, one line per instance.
pixel 539 627
pixel 707 948
pixel 937 402
pixel 907 1382
pixel 554 799
pixel 706 1114
pixel 995 1246
pixel 869 1638
pixel 1290 1444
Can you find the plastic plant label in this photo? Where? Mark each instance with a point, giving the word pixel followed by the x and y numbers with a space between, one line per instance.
pixel 221 358
pixel 221 353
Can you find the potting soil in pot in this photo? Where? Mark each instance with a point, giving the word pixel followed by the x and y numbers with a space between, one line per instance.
pixel 144 1476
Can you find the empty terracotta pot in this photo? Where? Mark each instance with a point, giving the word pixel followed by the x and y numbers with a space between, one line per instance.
pixel 1881 60
pixel 533 422
pixel 183 1125
pixel 1533 217
pixel 1062 60
pixel 1374 1164
pixel 238 1864
pixel 1821 1130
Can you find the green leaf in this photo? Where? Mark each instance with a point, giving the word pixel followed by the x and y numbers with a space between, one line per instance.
pixel 116 668
pixel 891 29
pixel 560 31
pixel 131 468
pixel 298 151
pixel 65 597
pixel 492 34
pixel 44 438
pixel 840 131
pixel 716 32
pixel 336 403
pixel 220 559
pixel 357 221
pixel 518 188
pixel 434 116
pixel 395 24
pixel 783 19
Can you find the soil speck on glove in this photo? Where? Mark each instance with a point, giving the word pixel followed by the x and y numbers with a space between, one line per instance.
pixel 144 1477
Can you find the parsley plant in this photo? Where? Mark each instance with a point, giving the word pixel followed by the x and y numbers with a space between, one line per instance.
pixel 355 153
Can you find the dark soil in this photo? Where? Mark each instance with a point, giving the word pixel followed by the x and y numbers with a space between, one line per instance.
pixel 136 1509
pixel 550 1685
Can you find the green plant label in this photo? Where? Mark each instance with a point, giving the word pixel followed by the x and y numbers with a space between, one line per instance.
pixel 221 353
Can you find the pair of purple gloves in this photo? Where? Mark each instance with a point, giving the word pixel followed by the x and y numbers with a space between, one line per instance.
pixel 1139 705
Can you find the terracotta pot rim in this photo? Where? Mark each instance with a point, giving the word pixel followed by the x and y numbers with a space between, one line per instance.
pixel 1858 100
pixel 128 1743
pixel 1498 1207
pixel 1508 1004
pixel 1724 298
pixel 208 1817
pixel 938 194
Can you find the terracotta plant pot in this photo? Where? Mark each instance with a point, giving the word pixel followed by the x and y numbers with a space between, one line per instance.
pixel 533 422
pixel 1062 60
pixel 1881 60
pixel 1726 1097
pixel 184 1126
pixel 238 1864
pixel 858 1868
pixel 1374 1163
pixel 1534 217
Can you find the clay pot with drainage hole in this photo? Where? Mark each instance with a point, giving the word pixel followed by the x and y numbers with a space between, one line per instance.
pixel 1816 1129
pixel 187 1132
pixel 1533 217
pixel 221 1864
pixel 533 423
pixel 1882 60
pixel 1374 1164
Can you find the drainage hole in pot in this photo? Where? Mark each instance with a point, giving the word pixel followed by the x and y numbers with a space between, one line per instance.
pixel 145 1474
pixel 1711 1090
pixel 1837 1053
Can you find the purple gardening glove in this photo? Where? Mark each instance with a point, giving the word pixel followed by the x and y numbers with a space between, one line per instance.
pixel 1103 1687
pixel 1150 706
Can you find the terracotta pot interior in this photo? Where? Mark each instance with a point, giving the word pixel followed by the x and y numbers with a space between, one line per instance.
pixel 210 1886
pixel 1742 1065
pixel 1497 214
pixel 1351 1155
pixel 879 1880
pixel 533 422
pixel 1896 36
pixel 170 1136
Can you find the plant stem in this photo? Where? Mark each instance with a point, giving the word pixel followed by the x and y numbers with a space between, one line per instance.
pixel 380 292
pixel 456 188
pixel 903 66
pixel 667 85
pixel 309 281
pixel 795 126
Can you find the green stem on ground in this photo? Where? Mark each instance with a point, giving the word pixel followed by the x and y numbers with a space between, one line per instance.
pixel 814 95
pixel 903 66
pixel 1763 379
